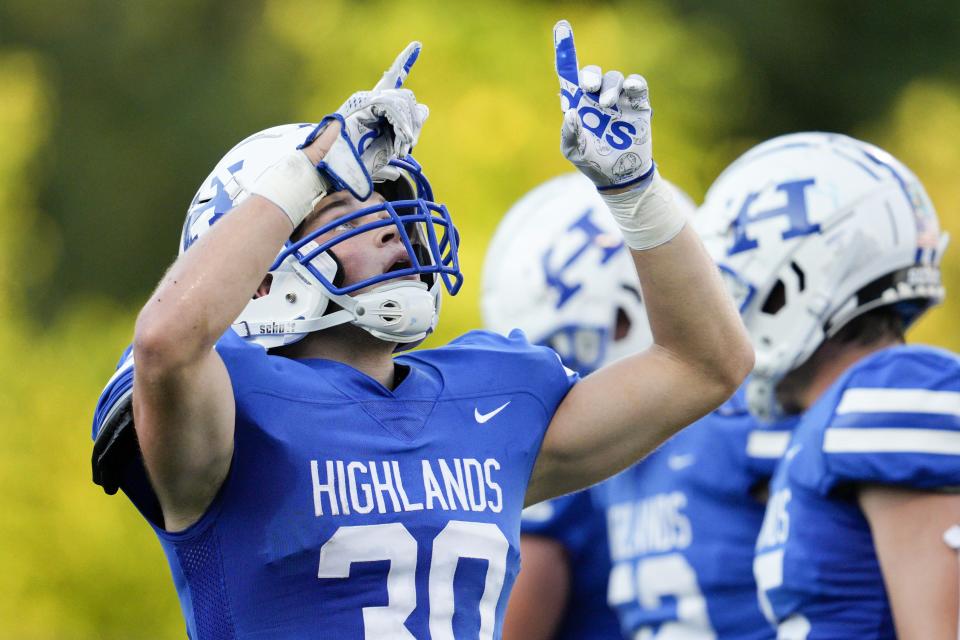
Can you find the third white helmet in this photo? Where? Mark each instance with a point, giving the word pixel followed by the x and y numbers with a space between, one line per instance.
pixel 812 230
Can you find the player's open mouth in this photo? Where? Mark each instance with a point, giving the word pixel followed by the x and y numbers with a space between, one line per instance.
pixel 400 265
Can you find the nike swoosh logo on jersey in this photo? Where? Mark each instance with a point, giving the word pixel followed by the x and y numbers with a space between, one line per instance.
pixel 681 461
pixel 483 417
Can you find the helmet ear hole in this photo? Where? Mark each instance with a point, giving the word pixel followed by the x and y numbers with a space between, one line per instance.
pixel 776 300
pixel 622 325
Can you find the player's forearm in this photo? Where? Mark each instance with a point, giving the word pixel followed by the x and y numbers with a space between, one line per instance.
pixel 623 411
pixel 691 315
pixel 209 285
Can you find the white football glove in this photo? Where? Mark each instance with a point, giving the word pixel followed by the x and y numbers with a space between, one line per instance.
pixel 376 127
pixel 606 119
pixel 606 135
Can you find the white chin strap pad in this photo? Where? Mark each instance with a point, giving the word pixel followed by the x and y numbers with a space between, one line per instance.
pixel 400 312
pixel 397 312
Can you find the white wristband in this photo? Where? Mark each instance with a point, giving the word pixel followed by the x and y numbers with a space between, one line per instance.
pixel 647 217
pixel 293 184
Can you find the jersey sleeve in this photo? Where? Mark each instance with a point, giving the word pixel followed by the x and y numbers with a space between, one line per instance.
pixel 249 365
pixel 571 520
pixel 557 378
pixel 896 421
pixel 756 446
pixel 765 444
pixel 116 461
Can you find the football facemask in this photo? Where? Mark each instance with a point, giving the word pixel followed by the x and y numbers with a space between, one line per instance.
pixel 810 231
pixel 306 276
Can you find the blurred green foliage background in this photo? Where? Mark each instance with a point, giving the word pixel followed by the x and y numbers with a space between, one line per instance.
pixel 111 113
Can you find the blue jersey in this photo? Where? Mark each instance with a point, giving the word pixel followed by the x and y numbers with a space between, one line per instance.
pixel 576 522
pixel 353 511
pixel 682 526
pixel 894 419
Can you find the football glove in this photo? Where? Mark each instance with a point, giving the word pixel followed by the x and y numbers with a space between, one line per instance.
pixel 606 119
pixel 376 127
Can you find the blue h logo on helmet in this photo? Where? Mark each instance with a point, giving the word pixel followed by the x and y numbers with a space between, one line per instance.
pixel 591 232
pixel 200 210
pixel 795 209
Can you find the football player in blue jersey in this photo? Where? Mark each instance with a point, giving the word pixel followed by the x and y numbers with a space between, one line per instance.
pixel 682 525
pixel 683 522
pixel 834 249
pixel 304 482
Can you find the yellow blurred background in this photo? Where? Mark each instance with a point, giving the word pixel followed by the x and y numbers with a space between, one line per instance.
pixel 112 113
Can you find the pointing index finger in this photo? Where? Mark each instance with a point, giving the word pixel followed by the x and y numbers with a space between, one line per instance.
pixel 566 54
pixel 396 75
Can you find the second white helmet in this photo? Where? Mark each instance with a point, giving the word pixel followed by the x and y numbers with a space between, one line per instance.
pixel 558 269
pixel 812 230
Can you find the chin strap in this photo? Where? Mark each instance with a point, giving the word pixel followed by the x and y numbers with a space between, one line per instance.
pixel 396 312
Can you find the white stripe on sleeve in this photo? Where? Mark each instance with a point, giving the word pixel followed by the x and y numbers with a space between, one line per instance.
pixel 885 400
pixel 839 440
pixel 767 444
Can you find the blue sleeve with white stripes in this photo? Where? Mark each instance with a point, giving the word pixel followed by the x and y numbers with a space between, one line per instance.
pixel 765 445
pixel 895 420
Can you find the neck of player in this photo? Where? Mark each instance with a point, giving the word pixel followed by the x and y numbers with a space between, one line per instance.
pixel 803 386
pixel 349 345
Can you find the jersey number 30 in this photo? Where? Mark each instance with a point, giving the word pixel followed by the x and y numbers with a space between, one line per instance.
pixel 459 539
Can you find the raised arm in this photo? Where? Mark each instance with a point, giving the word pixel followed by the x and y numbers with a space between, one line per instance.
pixel 701 352
pixel 182 397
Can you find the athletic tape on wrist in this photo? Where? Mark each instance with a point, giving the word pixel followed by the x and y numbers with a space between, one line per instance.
pixel 293 184
pixel 647 217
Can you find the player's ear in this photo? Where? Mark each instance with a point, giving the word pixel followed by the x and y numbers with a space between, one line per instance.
pixel 264 287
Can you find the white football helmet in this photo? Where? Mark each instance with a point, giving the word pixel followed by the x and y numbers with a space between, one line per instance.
pixel 812 230
pixel 558 269
pixel 306 275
